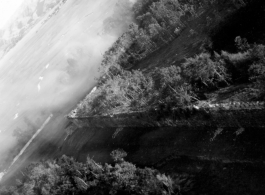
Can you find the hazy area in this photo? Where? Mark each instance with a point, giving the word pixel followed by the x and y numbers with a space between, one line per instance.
pixel 52 67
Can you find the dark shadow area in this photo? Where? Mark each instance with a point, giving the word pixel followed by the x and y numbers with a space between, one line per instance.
pixel 247 22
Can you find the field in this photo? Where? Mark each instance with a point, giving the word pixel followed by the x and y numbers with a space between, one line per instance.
pixel 49 71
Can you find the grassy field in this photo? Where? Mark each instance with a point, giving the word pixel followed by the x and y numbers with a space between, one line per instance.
pixel 49 70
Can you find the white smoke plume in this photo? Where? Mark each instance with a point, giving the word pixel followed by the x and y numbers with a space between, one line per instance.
pixel 52 68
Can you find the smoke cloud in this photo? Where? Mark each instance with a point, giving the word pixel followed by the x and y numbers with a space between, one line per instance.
pixel 53 67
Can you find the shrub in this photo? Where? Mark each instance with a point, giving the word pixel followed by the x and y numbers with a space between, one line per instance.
pixel 241 43
pixel 248 63
pixel 203 70
pixel 118 155
pixel 128 91
pixel 171 87
pixel 119 92
pixel 125 91
pixel 237 64
pixel 257 70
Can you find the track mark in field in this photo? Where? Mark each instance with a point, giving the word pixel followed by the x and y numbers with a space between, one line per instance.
pixel 39 87
pixel 89 14
pixel 29 142
pixel 16 116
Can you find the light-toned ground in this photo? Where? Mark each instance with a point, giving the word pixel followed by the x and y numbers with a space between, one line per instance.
pixel 51 68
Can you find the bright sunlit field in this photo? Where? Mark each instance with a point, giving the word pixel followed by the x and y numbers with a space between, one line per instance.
pixel 52 67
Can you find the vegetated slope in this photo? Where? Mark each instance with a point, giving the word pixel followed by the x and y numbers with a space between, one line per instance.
pixel 191 39
pixel 48 71
pixel 164 36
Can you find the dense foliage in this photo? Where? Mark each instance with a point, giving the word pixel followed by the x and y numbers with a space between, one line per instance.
pixel 247 65
pixel 205 70
pixel 157 23
pixel 66 176
pixel 124 91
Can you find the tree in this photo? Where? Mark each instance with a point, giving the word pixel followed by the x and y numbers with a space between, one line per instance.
pixel 171 87
pixel 202 69
pixel 67 176
pixel 241 44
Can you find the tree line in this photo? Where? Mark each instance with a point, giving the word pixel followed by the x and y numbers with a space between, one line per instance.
pixel 67 176
pixel 121 89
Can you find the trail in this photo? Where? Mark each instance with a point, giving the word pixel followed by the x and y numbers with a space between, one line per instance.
pixel 29 142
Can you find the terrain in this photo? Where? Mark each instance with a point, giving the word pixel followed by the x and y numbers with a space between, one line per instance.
pixel 50 69
pixel 198 123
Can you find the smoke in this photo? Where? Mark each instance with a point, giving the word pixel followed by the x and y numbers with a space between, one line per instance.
pixel 32 138
pixel 48 72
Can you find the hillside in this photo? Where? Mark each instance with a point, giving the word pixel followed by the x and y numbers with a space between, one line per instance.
pixel 175 66
pixel 180 88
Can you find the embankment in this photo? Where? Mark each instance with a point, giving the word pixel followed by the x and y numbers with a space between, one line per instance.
pixel 224 147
